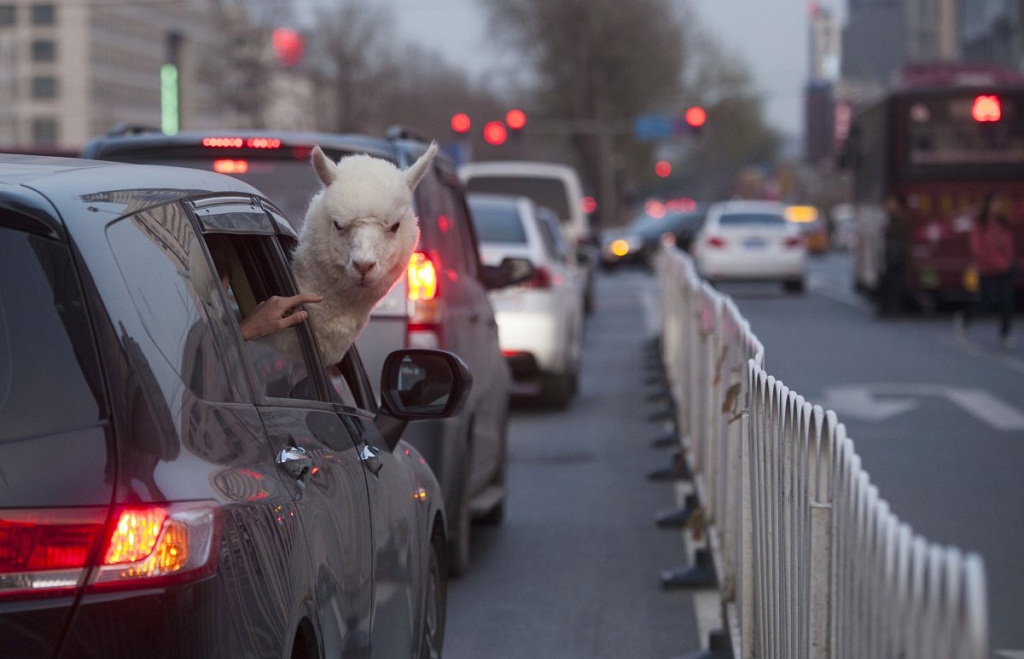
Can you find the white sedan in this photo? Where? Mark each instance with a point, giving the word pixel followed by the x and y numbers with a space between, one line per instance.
pixel 751 241
pixel 540 322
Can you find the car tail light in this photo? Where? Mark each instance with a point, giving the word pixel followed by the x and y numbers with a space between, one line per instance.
pixel 543 278
pixel 715 241
pixel 424 311
pixel 422 277
pixel 230 166
pixel 225 142
pixel 794 241
pixel 51 551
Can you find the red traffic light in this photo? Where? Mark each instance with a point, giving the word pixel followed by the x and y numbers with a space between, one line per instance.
pixel 288 46
pixel 695 116
pixel 461 122
pixel 663 168
pixel 987 108
pixel 495 133
pixel 515 119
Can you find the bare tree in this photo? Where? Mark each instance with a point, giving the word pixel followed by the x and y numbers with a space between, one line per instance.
pixel 736 135
pixel 353 61
pixel 598 64
pixel 245 59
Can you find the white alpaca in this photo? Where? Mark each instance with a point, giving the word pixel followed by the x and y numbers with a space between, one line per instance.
pixel 358 236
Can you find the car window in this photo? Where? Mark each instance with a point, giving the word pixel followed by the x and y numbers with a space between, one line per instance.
pixel 281 364
pixel 445 225
pixel 554 240
pixel 456 202
pixel 176 294
pixel 544 191
pixel 498 223
pixel 289 181
pixel 49 374
pixel 751 219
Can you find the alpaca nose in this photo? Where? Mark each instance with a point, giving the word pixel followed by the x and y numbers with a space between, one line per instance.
pixel 363 267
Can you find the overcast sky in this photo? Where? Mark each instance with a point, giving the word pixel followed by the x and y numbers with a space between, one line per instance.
pixel 771 36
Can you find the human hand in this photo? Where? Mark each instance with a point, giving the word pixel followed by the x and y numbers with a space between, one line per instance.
pixel 276 313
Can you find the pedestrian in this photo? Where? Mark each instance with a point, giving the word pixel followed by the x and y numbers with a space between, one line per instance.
pixel 896 252
pixel 995 259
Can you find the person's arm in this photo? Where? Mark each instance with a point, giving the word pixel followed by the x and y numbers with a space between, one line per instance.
pixel 275 313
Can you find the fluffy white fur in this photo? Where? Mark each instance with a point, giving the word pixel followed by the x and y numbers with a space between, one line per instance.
pixel 358 236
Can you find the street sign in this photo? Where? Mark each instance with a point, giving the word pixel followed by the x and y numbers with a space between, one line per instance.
pixel 652 127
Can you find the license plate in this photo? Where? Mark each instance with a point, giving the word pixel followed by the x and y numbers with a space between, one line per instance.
pixel 755 243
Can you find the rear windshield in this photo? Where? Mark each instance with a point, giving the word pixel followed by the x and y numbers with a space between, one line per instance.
pixel 48 366
pixel 751 220
pixel 289 183
pixel 548 192
pixel 497 223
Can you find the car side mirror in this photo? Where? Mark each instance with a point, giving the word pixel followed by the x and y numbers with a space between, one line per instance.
pixel 511 271
pixel 420 384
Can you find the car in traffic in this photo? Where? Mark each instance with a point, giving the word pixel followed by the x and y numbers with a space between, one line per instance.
pixel 550 185
pixel 638 242
pixel 170 488
pixel 751 240
pixel 813 225
pixel 540 321
pixel 442 301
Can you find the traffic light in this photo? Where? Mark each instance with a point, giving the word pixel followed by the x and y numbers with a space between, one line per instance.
pixel 515 120
pixel 461 123
pixel 695 118
pixel 495 133
pixel 288 46
pixel 663 168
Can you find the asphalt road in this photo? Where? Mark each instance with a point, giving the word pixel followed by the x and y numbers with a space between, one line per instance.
pixel 574 570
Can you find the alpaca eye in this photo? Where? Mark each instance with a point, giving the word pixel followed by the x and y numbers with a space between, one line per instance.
pixel 339 227
pixel 393 228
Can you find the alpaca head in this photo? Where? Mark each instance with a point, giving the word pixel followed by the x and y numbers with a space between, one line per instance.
pixel 361 225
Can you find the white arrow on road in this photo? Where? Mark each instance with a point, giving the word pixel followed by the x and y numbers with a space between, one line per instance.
pixel 860 402
pixel 880 402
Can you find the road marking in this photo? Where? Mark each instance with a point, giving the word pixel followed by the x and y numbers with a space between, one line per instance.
pixel 868 403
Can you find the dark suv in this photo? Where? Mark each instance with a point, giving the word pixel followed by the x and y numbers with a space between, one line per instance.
pixel 441 303
pixel 168 489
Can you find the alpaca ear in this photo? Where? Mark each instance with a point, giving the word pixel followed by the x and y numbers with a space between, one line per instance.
pixel 325 168
pixel 418 169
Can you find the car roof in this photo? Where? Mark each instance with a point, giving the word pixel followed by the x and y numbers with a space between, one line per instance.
pixel 518 168
pixel 747 205
pixel 52 190
pixel 498 199
pixel 401 145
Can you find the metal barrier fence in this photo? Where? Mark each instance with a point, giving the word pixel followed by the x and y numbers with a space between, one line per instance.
pixel 810 561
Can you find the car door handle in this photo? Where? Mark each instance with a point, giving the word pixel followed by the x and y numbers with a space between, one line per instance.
pixel 370 455
pixel 296 461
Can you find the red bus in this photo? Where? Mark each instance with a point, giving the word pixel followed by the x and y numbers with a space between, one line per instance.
pixel 939 139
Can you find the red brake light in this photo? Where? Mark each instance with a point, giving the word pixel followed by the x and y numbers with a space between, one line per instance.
pixel 794 241
pixel 238 143
pixel 36 541
pixel 229 166
pixel 49 551
pixel 222 142
pixel 716 241
pixel 422 277
pixel 987 108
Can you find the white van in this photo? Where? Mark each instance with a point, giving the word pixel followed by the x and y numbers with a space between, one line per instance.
pixel 554 185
